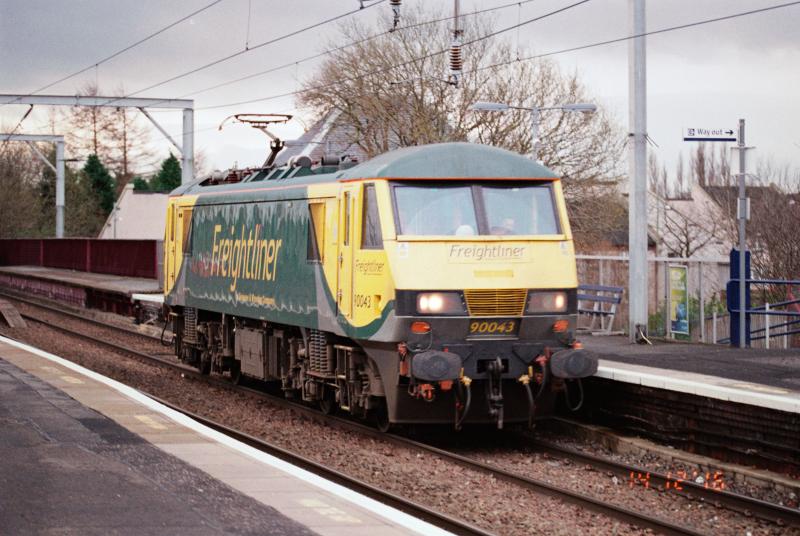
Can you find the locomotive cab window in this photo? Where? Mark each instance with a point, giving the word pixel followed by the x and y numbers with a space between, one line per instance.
pixel 435 210
pixel 514 209
pixel 371 230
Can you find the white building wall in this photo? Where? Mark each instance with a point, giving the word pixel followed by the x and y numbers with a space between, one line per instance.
pixel 137 215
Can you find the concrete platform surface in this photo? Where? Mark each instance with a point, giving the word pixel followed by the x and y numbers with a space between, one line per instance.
pixel 83 454
pixel 767 378
pixel 104 282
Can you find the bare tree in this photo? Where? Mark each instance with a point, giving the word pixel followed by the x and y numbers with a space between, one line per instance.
pixel 89 127
pixel 687 232
pixel 19 172
pixel 390 92
pixel 116 135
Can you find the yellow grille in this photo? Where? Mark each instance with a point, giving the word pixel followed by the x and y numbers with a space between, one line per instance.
pixel 496 302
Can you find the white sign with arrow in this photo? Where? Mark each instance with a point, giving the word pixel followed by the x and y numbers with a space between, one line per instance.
pixel 709 134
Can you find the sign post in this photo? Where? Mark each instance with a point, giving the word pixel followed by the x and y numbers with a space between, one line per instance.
pixel 742 205
pixel 743 214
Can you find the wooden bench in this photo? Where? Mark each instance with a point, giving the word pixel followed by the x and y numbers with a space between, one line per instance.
pixel 600 303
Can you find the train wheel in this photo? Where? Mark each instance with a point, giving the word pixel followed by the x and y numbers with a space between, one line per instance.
pixel 205 364
pixel 236 373
pixel 328 404
pixel 380 416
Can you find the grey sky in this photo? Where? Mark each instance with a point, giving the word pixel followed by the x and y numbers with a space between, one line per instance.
pixel 708 76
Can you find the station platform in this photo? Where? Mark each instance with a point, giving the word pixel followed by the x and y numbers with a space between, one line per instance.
pixel 85 454
pixel 758 377
pixel 105 292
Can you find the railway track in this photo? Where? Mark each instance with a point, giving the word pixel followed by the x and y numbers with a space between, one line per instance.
pixel 739 503
pixel 635 475
pixel 76 316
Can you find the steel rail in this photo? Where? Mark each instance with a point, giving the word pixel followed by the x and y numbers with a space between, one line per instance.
pixel 77 316
pixel 738 503
pixel 742 504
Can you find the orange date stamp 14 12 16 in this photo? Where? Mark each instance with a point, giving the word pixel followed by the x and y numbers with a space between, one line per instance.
pixel 714 481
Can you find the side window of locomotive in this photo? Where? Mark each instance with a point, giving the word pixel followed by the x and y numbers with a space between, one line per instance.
pixel 371 230
pixel 316 231
pixel 187 230
pixel 346 218
pixel 172 224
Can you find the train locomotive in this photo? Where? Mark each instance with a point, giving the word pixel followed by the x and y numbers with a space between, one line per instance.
pixel 431 284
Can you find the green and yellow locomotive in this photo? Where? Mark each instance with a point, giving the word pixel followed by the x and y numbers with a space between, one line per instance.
pixel 432 284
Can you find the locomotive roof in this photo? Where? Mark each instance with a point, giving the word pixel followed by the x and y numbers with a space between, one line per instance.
pixel 448 160
pixel 456 160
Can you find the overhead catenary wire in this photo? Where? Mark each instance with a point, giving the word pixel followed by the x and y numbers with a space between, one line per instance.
pixel 97 64
pixel 246 50
pixel 357 42
pixel 19 123
pixel 648 33
pixel 407 62
pixel 527 58
pixel 121 51
pixel 7 138
pixel 515 60
pixel 482 38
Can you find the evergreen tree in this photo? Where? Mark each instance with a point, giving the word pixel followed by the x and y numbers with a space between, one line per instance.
pixel 101 183
pixel 140 185
pixel 82 215
pixel 169 176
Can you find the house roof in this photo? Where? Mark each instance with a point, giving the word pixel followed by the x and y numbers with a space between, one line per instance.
pixel 726 196
pixel 137 215
pixel 326 137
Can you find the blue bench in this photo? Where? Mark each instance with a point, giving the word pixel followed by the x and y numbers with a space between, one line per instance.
pixel 600 302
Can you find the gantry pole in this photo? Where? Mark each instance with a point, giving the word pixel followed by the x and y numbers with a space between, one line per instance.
pixel 58 168
pixel 637 191
pixel 186 105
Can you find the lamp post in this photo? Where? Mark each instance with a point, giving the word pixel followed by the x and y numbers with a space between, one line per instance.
pixel 536 111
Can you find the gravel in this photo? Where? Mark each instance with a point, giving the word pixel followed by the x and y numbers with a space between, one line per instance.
pixel 629 492
pixel 425 478
pixel 654 461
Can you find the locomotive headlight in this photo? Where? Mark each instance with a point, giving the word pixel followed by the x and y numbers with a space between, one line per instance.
pixel 439 303
pixel 547 302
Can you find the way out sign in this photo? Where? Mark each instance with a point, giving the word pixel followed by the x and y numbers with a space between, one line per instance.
pixel 709 134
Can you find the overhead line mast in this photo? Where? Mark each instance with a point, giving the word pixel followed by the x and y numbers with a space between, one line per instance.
pixel 637 176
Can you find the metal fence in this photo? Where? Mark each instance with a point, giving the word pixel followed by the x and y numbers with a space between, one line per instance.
pixel 776 318
pixel 772 325
pixel 706 279
pixel 128 258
